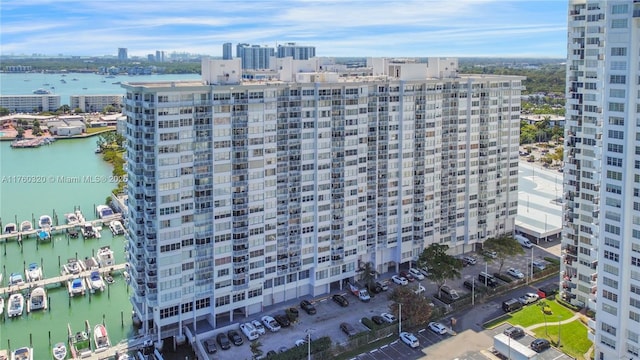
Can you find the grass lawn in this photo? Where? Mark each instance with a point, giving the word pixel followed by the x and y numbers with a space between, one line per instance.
pixel 573 337
pixel 532 314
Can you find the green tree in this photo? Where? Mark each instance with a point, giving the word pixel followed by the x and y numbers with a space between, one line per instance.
pixel 439 265
pixel 255 347
pixel 505 246
pixel 109 109
pixel 4 111
pixel 77 111
pixel 64 109
pixel 20 134
pixel 368 275
pixel 416 309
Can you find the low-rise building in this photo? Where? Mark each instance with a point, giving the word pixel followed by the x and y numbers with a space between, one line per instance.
pixel 91 103
pixel 30 103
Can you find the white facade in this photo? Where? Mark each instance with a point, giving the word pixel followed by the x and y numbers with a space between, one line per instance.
pixel 601 242
pixel 30 103
pixel 93 103
pixel 246 195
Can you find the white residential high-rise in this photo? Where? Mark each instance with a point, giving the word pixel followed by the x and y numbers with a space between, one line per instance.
pixel 601 242
pixel 244 194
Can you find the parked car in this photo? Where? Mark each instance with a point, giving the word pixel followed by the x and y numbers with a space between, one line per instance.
pixel 528 298
pixel 419 289
pixel 515 273
pixel 271 354
pixel 341 300
pixel 348 329
pixel 487 279
pixel 540 345
pixel 210 346
pixel 470 260
pixel 235 337
pixel 437 328
pixel 388 317
pixel 416 273
pixel 490 253
pixel 300 342
pixel 270 323
pixel 407 276
pixel 249 331
pixel 382 285
pixel 307 306
pixel 539 265
pixel 283 320
pixel 449 292
pixel 258 326
pixel 514 332
pixel 378 320
pixel 223 341
pixel 399 280
pixel 424 271
pixel 511 305
pixel 409 339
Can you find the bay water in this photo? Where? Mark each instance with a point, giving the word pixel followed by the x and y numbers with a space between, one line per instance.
pixel 56 179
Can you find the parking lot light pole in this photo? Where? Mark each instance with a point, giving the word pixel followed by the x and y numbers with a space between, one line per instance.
pixel 473 291
pixel 486 271
pixel 399 318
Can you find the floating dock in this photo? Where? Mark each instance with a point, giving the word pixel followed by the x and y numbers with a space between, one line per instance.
pixel 98 223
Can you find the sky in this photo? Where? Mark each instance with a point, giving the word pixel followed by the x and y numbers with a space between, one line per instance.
pixel 358 28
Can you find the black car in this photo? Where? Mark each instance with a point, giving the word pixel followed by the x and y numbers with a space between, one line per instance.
pixel 283 320
pixel 348 329
pixel 514 332
pixel 271 353
pixel 540 345
pixel 341 300
pixel 223 341
pixel 235 337
pixel 307 306
pixel 379 320
pixel 210 346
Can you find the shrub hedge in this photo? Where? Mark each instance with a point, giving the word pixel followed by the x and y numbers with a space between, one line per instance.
pixel 503 277
pixel 552 260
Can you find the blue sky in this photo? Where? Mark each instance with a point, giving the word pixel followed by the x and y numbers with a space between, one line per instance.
pixel 510 28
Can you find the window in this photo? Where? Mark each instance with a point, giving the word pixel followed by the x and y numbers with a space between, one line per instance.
pixel 620 9
pixel 618 51
pixel 617 79
pixel 619 23
pixel 609 295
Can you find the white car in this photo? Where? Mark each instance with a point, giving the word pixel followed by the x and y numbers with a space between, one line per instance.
pixel 258 326
pixel 399 280
pixel 409 339
pixel 416 273
pixel 491 254
pixel 249 331
pixel 301 342
pixel 469 260
pixel 388 317
pixel 528 298
pixel 437 328
pixel 420 289
pixel 270 323
pixel 515 273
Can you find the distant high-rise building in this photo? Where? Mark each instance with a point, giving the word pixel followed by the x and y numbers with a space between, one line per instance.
pixel 122 54
pixel 160 56
pixel 254 56
pixel 151 58
pixel 298 52
pixel 226 51
pixel 243 195
pixel 601 235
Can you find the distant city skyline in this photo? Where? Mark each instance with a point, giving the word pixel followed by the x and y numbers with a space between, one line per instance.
pixel 420 28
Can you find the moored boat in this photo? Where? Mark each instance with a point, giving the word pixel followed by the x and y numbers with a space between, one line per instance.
pixel 116 227
pixel 72 267
pixel 16 305
pixel 1 307
pixel 23 353
pixel 15 279
pixel 59 351
pixel 101 338
pixel 95 281
pixel 44 222
pixel 88 230
pixel 80 343
pixel 71 218
pixel 34 272
pixel 10 228
pixel 26 226
pixel 37 300
pixel 105 256
pixel 76 287
pixel 104 212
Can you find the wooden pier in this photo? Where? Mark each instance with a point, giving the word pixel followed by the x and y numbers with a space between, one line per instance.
pixel 59 280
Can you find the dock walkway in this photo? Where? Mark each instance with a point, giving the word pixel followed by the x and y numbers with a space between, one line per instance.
pixel 60 228
pixel 59 279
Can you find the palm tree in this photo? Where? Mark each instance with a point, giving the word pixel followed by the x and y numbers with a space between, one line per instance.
pixel 255 347
pixel 367 273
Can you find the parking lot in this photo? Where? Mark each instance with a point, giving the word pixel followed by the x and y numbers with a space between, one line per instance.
pixel 549 354
pixel 399 350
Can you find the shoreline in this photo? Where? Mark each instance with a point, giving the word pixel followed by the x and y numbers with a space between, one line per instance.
pixel 82 136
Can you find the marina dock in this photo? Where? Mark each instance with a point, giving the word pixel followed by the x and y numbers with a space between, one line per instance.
pixel 60 280
pixel 58 229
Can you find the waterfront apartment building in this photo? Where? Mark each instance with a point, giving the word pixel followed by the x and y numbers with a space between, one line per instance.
pixel 93 103
pixel 601 239
pixel 255 56
pixel 227 51
pixel 123 54
pixel 297 52
pixel 244 194
pixel 30 103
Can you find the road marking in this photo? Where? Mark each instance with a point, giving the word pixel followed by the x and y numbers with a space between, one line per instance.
pixel 395 342
pixel 372 351
pixel 383 347
pixel 422 330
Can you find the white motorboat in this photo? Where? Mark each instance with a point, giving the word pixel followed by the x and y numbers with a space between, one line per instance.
pixel 116 227
pixel 1 306
pixel 89 231
pixel 34 272
pixel 101 338
pixel 76 287
pixel 72 267
pixel 105 257
pixel 10 228
pixel 90 263
pixel 104 212
pixel 26 226
pixel 38 300
pixel 45 222
pixel 15 279
pixel 71 218
pixel 23 353
pixel 59 351
pixel 16 305
pixel 95 281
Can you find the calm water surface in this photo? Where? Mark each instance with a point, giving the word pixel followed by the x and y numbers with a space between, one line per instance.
pixel 22 199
